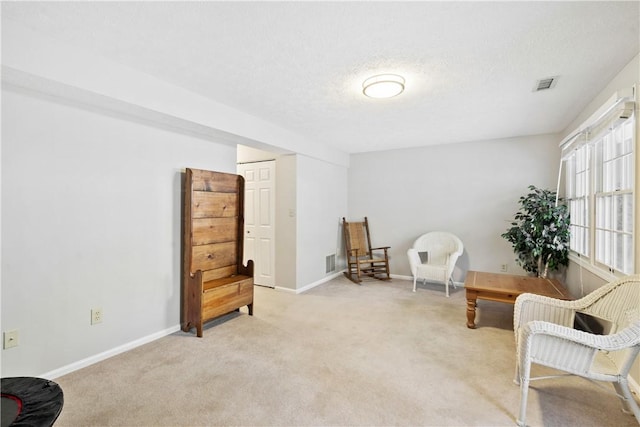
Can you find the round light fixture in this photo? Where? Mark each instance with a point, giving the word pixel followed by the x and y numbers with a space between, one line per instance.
pixel 383 86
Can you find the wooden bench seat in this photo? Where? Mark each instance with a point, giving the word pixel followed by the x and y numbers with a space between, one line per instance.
pixel 237 278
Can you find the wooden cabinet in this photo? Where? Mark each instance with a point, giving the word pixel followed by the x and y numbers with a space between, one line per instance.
pixel 215 281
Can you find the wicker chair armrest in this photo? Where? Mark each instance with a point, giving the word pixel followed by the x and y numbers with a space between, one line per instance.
pixel 626 338
pixel 381 247
pixel 529 307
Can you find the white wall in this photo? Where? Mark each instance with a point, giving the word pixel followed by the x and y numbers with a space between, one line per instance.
pixel 470 189
pixel 91 209
pixel 321 202
pixel 286 224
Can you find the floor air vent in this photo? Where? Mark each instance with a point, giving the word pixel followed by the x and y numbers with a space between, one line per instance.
pixel 330 263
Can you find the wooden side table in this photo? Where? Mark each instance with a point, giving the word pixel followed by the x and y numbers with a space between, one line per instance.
pixel 506 288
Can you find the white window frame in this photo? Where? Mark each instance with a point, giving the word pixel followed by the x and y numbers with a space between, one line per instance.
pixel 577 196
pixel 600 159
pixel 614 182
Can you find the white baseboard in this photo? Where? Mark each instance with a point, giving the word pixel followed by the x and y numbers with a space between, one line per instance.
pixel 289 290
pixel 316 283
pixel 402 277
pixel 326 279
pixel 107 354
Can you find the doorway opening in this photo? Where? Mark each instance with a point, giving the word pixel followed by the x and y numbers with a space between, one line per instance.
pixel 260 219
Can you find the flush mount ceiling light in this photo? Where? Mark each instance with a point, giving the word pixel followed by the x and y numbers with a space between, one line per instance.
pixel 383 86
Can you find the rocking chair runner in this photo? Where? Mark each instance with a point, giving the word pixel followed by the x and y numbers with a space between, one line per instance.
pixel 360 258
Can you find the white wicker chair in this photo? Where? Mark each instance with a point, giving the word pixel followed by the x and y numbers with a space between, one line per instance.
pixel 443 250
pixel 544 335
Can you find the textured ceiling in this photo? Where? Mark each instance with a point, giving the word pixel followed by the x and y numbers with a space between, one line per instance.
pixel 470 67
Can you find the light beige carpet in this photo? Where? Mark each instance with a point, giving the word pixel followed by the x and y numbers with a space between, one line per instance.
pixel 338 355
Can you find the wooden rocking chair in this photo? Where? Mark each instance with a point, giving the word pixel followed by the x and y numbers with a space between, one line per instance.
pixel 360 258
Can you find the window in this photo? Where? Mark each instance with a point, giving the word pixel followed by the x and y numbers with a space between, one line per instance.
pixel 577 194
pixel 599 189
pixel 614 179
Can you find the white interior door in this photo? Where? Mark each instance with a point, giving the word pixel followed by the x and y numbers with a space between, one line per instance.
pixel 259 219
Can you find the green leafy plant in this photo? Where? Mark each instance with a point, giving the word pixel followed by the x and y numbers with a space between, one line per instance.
pixel 540 233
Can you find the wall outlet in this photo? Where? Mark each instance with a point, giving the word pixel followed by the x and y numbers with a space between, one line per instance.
pixel 10 339
pixel 96 316
pixel 504 268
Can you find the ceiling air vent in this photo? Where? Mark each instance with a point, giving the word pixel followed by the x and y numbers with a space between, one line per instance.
pixel 546 83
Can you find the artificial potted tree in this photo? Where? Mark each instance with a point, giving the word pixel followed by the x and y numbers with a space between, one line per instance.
pixel 539 232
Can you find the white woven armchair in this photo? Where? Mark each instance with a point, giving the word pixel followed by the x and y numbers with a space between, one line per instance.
pixel 544 335
pixel 443 250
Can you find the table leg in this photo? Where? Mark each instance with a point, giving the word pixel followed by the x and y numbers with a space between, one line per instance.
pixel 471 312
